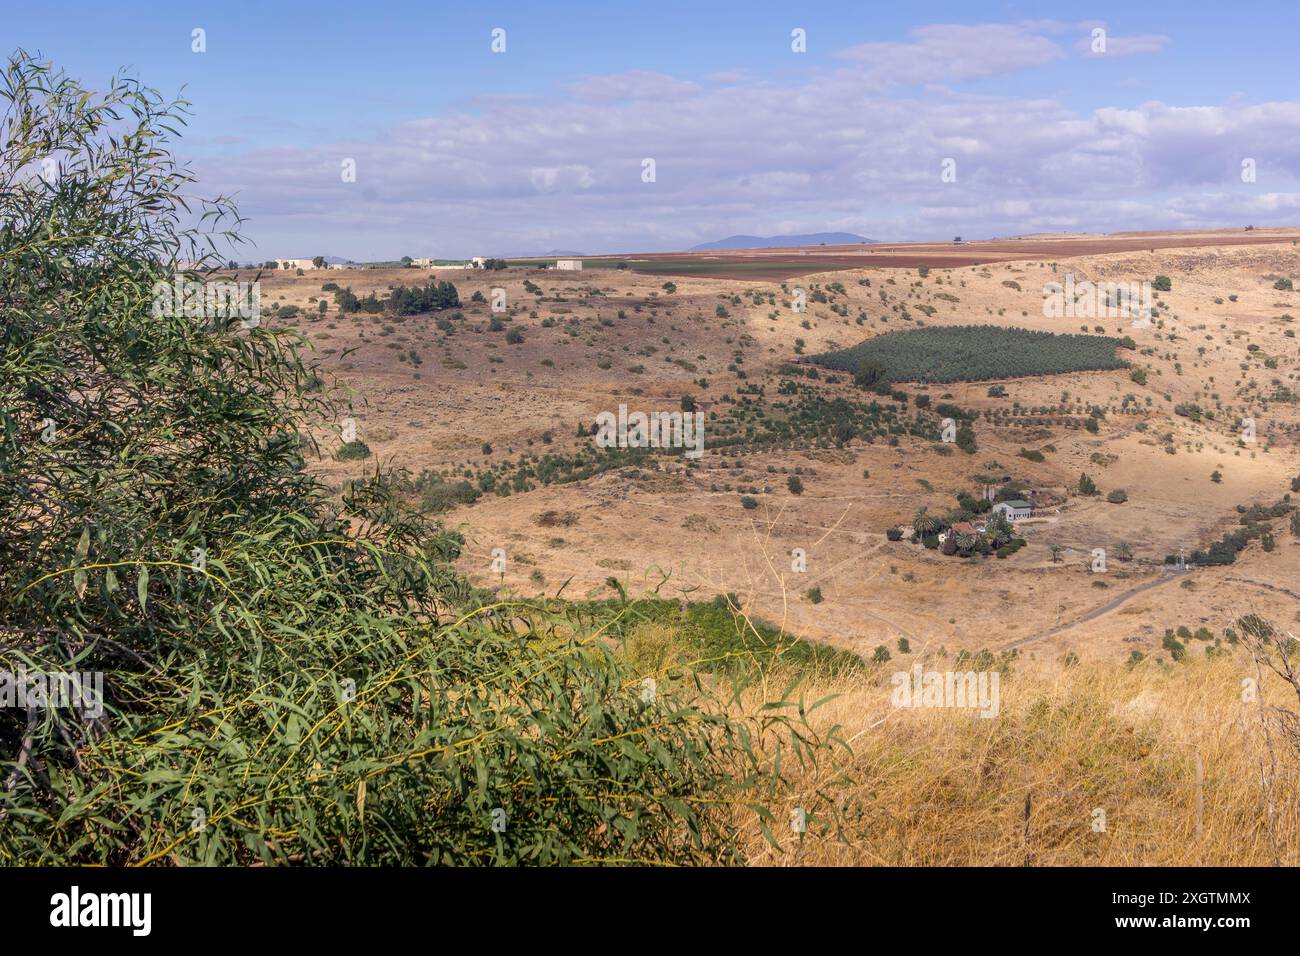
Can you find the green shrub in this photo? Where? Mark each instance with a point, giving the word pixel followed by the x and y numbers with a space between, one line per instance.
pixel 355 450
pixel 415 300
pixel 444 495
pixel 869 375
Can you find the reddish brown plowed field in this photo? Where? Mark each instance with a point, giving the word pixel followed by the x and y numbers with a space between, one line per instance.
pixel 779 264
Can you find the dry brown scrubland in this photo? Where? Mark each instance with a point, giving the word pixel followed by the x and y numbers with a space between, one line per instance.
pixel 945 787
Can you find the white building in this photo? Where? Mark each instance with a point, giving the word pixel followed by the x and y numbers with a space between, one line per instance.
pixel 303 264
pixel 571 264
pixel 424 263
pixel 477 262
pixel 1015 510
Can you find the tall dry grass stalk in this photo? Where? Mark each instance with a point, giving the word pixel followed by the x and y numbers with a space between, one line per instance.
pixel 1091 764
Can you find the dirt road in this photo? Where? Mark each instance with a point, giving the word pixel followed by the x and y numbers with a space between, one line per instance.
pixel 1166 577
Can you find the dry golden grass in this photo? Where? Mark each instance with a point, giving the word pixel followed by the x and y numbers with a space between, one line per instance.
pixel 944 787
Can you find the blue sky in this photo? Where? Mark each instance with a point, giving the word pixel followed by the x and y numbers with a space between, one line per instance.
pixel 461 151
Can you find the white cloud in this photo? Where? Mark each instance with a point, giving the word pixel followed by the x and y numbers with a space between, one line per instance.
pixel 633 85
pixel 546 178
pixel 952 53
pixel 840 151
pixel 730 76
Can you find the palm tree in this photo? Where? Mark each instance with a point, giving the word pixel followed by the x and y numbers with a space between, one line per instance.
pixel 997 526
pixel 924 524
pixel 985 481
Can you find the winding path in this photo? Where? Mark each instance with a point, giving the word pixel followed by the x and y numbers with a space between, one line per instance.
pixel 1166 577
pixel 1267 586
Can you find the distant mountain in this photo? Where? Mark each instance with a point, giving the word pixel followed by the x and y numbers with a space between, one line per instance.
pixel 553 254
pixel 769 242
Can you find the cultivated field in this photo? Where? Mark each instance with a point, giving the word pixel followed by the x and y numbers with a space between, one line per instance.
pixel 777 263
